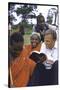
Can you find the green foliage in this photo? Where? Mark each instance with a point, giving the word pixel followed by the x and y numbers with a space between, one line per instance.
pixel 24 10
pixel 26 39
pixel 28 32
pixel 11 17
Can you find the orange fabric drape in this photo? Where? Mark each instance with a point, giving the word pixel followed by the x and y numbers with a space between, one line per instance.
pixel 22 67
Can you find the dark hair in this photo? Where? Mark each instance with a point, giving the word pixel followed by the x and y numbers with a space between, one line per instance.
pixel 52 32
pixel 16 37
pixel 40 18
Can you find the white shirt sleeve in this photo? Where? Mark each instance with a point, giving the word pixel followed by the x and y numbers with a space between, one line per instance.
pixel 52 54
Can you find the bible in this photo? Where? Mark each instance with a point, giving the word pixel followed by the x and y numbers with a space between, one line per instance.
pixel 37 56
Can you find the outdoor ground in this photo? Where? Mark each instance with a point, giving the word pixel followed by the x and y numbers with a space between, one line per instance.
pixel 27 39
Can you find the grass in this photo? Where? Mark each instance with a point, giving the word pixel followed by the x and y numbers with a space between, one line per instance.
pixel 26 39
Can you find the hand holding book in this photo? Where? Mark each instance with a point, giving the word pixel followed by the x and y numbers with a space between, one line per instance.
pixel 38 57
pixel 41 58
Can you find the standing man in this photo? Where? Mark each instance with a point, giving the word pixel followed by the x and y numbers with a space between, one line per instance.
pixel 41 26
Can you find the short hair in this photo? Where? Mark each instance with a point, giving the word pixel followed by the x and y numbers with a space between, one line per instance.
pixel 38 35
pixel 16 37
pixel 52 32
pixel 40 18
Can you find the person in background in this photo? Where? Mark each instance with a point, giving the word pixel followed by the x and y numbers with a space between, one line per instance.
pixel 46 73
pixel 41 26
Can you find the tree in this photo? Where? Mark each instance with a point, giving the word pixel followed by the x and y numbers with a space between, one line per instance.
pixel 11 17
pixel 25 10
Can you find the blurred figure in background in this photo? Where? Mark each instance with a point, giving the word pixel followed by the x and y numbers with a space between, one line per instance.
pixel 41 26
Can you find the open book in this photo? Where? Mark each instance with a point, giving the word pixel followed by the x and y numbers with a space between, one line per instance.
pixel 37 56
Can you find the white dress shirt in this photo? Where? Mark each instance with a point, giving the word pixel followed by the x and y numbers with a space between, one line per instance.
pixel 52 54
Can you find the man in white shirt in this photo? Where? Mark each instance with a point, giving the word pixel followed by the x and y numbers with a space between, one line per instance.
pixel 46 73
pixel 49 46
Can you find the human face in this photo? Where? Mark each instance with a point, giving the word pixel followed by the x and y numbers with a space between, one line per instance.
pixel 41 23
pixel 49 41
pixel 34 40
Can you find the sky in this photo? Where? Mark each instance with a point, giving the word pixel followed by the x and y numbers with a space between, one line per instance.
pixel 40 9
